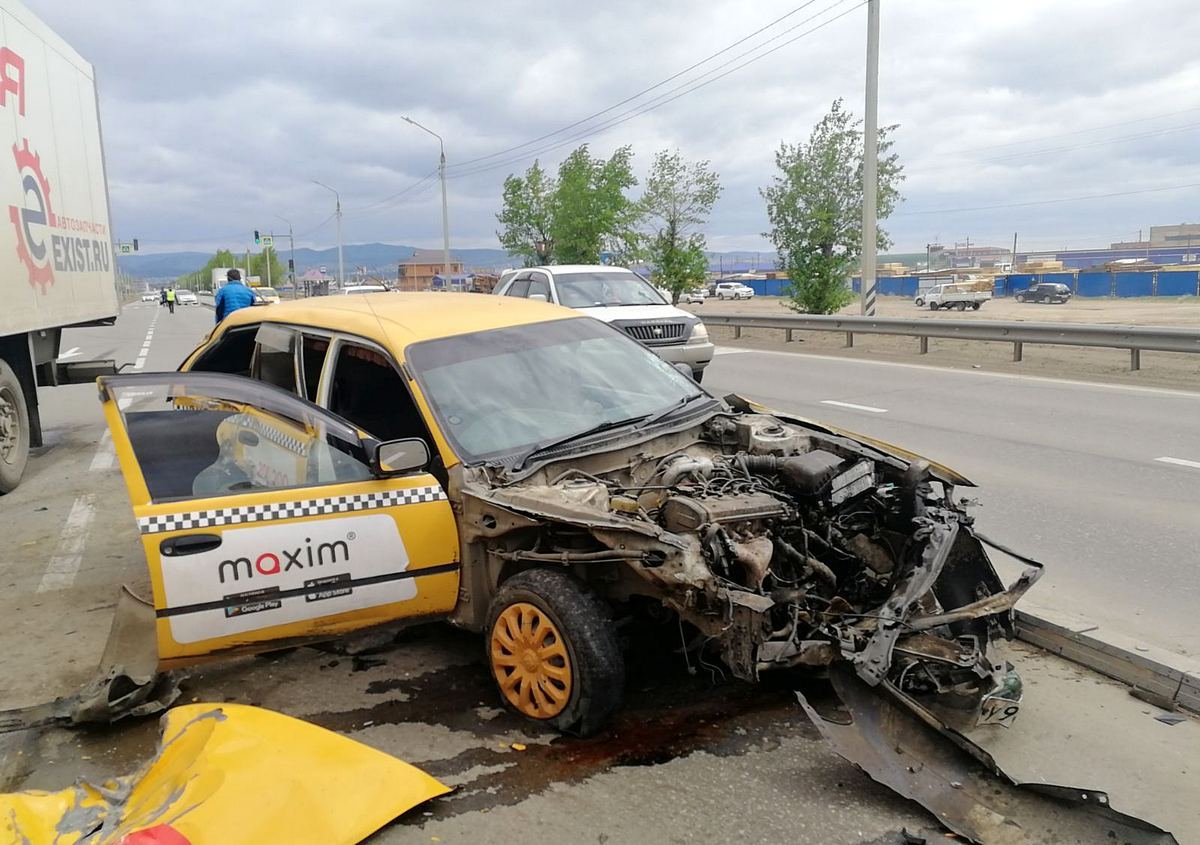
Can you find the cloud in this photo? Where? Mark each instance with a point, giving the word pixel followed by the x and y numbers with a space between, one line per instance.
pixel 218 115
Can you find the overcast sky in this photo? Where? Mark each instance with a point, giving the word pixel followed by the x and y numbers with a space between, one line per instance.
pixel 217 114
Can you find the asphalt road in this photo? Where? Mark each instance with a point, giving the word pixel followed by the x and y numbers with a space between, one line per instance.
pixel 1101 483
pixel 692 757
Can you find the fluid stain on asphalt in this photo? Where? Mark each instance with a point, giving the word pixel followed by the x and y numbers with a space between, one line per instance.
pixel 667 715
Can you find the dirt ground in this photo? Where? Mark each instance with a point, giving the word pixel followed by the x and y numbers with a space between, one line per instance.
pixel 1159 369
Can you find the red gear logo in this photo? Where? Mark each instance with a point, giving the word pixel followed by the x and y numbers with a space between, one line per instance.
pixel 33 253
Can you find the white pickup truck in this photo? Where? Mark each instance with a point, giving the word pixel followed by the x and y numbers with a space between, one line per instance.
pixel 961 297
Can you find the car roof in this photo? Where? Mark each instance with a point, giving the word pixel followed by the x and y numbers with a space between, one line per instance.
pixel 554 269
pixel 398 320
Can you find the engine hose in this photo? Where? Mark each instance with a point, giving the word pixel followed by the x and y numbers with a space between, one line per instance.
pixel 758 463
pixel 818 570
pixel 686 466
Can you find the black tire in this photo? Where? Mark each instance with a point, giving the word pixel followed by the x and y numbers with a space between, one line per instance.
pixel 1020 297
pixel 583 622
pixel 1046 300
pixel 697 375
pixel 975 306
pixel 962 306
pixel 920 303
pixel 14 430
pixel 933 306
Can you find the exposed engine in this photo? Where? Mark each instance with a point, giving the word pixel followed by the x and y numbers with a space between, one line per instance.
pixel 789 546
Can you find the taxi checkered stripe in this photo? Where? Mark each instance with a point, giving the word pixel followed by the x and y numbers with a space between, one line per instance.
pixel 283 439
pixel 288 510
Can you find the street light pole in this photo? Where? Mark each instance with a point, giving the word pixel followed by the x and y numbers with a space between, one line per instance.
pixel 291 254
pixel 445 206
pixel 870 160
pixel 341 267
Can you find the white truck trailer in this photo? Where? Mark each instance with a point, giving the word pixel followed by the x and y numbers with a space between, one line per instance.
pixel 56 246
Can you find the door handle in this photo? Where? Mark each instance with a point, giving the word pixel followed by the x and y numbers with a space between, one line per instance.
pixel 189 544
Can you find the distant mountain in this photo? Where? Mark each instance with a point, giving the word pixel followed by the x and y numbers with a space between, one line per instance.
pixel 162 265
pixel 381 259
pixel 377 258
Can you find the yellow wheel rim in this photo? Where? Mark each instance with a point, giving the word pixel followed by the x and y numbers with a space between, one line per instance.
pixel 530 661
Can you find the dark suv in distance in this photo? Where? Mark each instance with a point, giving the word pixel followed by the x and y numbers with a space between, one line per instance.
pixel 1048 293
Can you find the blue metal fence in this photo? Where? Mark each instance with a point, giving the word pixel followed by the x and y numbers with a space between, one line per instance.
pixel 1135 284
pixel 1094 284
pixel 1104 283
pixel 1177 283
pixel 768 287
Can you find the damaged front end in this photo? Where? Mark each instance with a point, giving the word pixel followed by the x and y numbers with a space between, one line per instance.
pixel 784 545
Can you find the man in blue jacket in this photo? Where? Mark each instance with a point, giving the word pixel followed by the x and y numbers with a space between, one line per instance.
pixel 233 295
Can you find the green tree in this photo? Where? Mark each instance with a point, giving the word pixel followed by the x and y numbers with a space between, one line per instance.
pixel 258 266
pixel 590 212
pixel 678 200
pixel 201 279
pixel 527 217
pixel 815 208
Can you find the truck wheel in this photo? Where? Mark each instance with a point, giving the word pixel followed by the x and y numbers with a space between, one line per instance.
pixel 697 375
pixel 933 306
pixel 14 430
pixel 975 306
pixel 553 651
pixel 920 303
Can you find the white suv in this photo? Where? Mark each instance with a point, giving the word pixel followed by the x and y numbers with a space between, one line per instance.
pixel 733 290
pixel 622 299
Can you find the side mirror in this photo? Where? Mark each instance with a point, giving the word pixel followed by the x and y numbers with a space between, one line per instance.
pixel 538 297
pixel 395 457
pixel 686 370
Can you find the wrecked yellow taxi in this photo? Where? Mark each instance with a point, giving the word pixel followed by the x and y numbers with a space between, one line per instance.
pixel 327 466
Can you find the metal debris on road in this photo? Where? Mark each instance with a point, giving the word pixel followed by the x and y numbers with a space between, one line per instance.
pixel 1170 718
pixel 902 745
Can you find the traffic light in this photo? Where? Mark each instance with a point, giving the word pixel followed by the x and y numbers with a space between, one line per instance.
pixel 257 239
pixel 291 266
pixel 135 244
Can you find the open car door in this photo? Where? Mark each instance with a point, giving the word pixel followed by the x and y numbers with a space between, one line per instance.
pixel 266 520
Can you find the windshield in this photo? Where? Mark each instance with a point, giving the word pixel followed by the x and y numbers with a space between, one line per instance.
pixel 592 290
pixel 503 392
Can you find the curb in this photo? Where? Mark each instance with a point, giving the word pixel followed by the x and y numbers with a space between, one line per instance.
pixel 1158 677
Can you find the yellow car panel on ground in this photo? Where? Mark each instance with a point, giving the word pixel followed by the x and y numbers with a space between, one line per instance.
pixel 232 774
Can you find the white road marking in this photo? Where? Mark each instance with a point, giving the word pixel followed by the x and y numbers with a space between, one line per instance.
pixel 127 398
pixel 854 407
pixel 1179 462
pixel 145 352
pixel 952 371
pixel 105 453
pixel 70 353
pixel 64 566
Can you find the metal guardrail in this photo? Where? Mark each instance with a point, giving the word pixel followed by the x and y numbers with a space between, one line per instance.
pixel 1134 338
